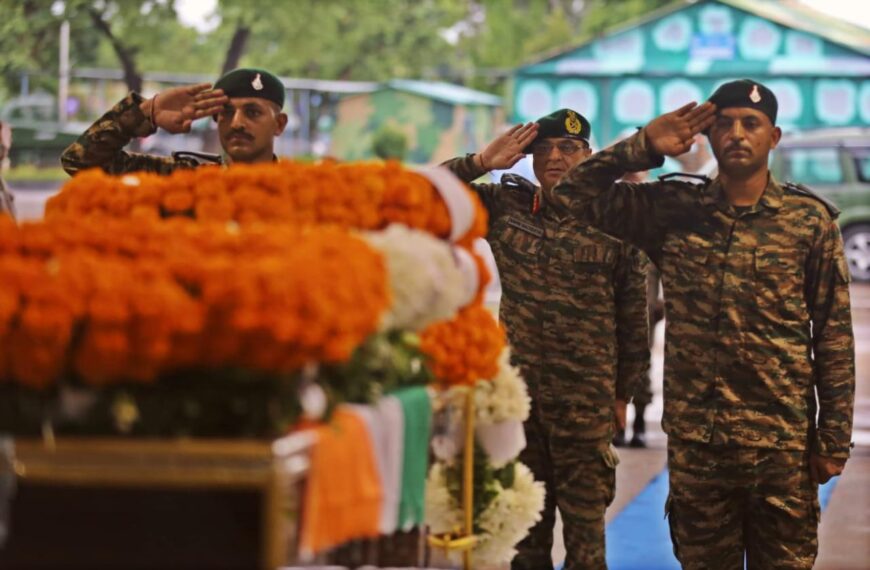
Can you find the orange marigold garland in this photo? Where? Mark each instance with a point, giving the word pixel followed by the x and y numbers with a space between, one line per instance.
pixel 149 296
pixel 364 196
pixel 465 349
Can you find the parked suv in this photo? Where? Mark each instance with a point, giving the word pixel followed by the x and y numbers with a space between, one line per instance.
pixel 836 164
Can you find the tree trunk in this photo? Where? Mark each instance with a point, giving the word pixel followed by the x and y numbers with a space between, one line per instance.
pixel 237 48
pixel 132 77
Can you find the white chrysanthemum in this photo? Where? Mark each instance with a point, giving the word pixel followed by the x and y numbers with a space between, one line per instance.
pixel 504 522
pixel 427 283
pixel 443 515
pixel 504 398
pixel 508 518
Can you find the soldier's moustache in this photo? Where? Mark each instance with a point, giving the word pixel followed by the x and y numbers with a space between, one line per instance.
pixel 241 134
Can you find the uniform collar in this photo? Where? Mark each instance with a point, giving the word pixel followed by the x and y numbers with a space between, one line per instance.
pixel 771 198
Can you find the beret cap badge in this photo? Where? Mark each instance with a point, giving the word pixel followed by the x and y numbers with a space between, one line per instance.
pixel 257 83
pixel 573 124
pixel 754 95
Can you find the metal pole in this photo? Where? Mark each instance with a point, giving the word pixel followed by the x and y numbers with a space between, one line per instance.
pixel 63 79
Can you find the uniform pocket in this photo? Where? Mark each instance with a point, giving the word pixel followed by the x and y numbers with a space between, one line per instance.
pixel 779 280
pixel 685 261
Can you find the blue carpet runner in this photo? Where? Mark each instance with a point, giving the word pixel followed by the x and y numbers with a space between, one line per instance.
pixel 639 539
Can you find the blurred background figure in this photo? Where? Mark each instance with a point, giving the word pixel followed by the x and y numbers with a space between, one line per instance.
pixel 6 199
pixel 643 395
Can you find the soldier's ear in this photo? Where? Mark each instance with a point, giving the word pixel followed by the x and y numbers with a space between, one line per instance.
pixel 774 137
pixel 281 120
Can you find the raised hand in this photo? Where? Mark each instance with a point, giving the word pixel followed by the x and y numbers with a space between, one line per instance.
pixel 507 149
pixel 175 109
pixel 673 133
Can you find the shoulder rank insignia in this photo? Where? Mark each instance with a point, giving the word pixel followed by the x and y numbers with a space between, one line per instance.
pixel 198 158
pixel 694 177
pixel 802 190
pixel 525 186
pixel 517 182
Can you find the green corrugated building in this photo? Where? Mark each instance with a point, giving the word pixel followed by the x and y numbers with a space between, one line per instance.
pixel 439 120
pixel 818 66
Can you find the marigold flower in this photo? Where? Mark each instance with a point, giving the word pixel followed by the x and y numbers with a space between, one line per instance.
pixel 465 349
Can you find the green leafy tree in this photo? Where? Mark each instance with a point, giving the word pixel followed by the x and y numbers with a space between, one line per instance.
pixel 389 142
pixel 366 40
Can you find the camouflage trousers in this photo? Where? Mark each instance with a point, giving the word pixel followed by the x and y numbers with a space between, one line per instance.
pixel 643 392
pixel 727 503
pixel 580 480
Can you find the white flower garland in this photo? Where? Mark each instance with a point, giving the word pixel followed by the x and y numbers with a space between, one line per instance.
pixel 503 398
pixel 509 517
pixel 427 283
pixel 504 523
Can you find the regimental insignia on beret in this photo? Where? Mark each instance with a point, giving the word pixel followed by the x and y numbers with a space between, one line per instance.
pixel 252 82
pixel 573 124
pixel 754 95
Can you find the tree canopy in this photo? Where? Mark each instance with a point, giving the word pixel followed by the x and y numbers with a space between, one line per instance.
pixel 475 42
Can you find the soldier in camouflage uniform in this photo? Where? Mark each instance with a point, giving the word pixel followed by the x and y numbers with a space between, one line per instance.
pixel 246 103
pixel 759 335
pixel 574 306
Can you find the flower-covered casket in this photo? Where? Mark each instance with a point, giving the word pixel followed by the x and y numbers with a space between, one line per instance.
pixel 248 330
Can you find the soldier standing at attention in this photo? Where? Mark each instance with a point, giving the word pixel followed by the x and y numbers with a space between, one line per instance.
pixel 759 356
pixel 574 306
pixel 246 103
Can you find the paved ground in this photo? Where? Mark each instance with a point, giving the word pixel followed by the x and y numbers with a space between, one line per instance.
pixel 30 201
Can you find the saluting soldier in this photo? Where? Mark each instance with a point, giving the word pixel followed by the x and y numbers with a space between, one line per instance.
pixel 246 103
pixel 574 306
pixel 759 334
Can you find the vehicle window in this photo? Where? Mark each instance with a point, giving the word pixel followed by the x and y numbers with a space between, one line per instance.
pixel 862 166
pixel 813 166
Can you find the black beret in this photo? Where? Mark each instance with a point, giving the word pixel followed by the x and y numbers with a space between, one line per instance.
pixel 250 82
pixel 746 93
pixel 563 123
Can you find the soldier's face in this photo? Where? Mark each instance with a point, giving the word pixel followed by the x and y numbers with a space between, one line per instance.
pixel 552 157
pixel 742 139
pixel 247 127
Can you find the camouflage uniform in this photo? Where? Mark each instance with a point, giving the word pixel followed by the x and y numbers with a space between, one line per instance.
pixel 758 321
pixel 574 306
pixel 655 312
pixel 103 145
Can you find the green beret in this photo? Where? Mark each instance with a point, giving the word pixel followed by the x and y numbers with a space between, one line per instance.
pixel 250 82
pixel 746 93
pixel 563 123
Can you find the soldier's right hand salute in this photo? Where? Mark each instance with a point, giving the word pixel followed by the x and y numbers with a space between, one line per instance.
pixel 175 110
pixel 673 134
pixel 507 149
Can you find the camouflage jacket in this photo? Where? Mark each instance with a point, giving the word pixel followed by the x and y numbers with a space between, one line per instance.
pixel 757 302
pixel 573 303
pixel 103 144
